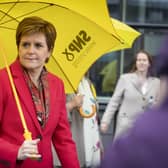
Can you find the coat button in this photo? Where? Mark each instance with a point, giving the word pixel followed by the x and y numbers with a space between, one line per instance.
pixel 143 99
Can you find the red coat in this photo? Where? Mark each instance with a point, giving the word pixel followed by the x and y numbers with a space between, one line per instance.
pixel 56 130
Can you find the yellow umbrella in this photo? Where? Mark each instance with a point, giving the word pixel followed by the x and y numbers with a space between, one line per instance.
pixel 79 39
pixel 97 12
pixel 126 33
pixel 82 35
pixel 79 43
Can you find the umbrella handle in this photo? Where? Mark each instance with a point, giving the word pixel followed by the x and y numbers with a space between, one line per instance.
pixel 87 115
pixel 27 135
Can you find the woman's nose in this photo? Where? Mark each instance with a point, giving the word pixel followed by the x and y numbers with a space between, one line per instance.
pixel 31 49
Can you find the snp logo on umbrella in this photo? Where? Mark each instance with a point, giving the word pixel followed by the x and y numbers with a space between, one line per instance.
pixel 76 45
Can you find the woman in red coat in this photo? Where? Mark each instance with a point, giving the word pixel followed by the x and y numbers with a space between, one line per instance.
pixel 42 99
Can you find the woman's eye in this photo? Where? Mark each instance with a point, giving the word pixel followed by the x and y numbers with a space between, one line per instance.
pixel 25 44
pixel 38 45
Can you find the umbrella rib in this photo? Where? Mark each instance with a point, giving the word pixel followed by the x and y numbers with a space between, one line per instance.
pixel 63 73
pixel 50 4
pixel 15 18
pixel 3 27
pixel 6 14
pixel 8 11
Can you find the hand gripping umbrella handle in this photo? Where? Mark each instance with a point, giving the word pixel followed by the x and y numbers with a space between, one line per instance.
pixel 27 133
pixel 28 136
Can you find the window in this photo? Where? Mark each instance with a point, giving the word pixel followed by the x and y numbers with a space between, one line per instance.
pixel 150 17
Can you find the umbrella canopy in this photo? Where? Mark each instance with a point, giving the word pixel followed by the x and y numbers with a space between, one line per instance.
pixel 80 41
pixel 82 35
pixel 125 32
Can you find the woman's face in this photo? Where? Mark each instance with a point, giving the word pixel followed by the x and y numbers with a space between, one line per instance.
pixel 142 62
pixel 33 51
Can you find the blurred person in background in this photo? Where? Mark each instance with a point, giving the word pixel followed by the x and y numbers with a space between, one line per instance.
pixel 145 145
pixel 85 131
pixel 134 92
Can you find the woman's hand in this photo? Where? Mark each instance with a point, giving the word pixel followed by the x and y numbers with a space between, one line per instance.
pixel 75 102
pixel 78 100
pixel 29 149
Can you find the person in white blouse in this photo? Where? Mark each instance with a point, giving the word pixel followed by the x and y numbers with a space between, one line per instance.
pixel 134 92
pixel 85 131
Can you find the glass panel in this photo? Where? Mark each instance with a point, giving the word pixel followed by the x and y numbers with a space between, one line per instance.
pixel 151 41
pixel 114 8
pixel 104 73
pixel 147 11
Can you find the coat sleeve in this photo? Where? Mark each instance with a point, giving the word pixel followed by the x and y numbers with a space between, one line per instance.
pixel 62 139
pixel 114 102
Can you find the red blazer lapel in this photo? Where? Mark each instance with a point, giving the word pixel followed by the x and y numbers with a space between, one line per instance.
pixel 57 101
pixel 23 92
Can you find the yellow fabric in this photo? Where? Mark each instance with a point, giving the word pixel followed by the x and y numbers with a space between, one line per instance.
pixel 93 90
pixel 83 35
pixel 125 32
pixel 109 73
